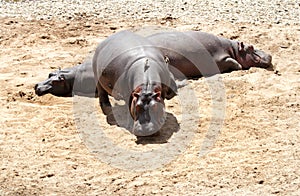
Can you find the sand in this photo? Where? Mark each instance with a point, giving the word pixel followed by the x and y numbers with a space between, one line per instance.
pixel 63 146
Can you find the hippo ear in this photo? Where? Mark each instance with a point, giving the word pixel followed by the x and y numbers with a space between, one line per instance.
pixel 250 48
pixel 51 74
pixel 241 46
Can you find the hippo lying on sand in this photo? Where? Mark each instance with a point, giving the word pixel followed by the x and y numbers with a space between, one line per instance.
pixel 78 80
pixel 210 53
pixel 197 54
pixel 128 67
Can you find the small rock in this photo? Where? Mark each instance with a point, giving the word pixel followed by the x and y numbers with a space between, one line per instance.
pixel 284 46
pixel 87 26
pixel 261 182
pixel 45 37
pixel 10 22
pixel 18 85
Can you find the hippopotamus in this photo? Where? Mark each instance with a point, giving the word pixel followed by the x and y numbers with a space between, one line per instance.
pixel 195 54
pixel 128 67
pixel 78 80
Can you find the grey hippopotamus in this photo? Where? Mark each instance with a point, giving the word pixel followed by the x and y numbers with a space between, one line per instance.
pixel 195 54
pixel 78 80
pixel 128 67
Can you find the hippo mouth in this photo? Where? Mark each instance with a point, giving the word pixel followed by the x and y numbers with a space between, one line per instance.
pixel 148 128
pixel 265 60
pixel 148 122
pixel 41 90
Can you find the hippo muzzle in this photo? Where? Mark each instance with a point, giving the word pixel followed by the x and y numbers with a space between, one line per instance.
pixel 56 84
pixel 148 113
pixel 43 88
pixel 265 60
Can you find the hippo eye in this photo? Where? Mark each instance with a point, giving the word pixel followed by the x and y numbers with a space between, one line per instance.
pixel 61 77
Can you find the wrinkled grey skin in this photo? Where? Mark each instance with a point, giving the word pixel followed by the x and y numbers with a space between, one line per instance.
pixel 229 55
pixel 202 48
pixel 128 67
pixel 78 80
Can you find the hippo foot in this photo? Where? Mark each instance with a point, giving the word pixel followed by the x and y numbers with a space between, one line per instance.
pixel 111 119
pixel 106 108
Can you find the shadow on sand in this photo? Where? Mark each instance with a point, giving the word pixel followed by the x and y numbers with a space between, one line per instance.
pixel 122 118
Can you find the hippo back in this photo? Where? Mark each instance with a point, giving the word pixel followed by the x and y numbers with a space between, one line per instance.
pixel 114 59
pixel 127 66
pixel 188 56
pixel 84 82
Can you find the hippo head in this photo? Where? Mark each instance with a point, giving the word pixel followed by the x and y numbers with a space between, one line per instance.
pixel 250 57
pixel 147 109
pixel 56 84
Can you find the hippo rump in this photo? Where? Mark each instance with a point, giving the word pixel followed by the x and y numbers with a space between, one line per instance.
pixel 128 67
pixel 195 54
pixel 77 80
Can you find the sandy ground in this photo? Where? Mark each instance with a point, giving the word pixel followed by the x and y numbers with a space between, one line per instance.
pixel 43 150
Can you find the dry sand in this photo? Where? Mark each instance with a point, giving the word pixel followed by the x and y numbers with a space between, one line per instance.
pixel 43 152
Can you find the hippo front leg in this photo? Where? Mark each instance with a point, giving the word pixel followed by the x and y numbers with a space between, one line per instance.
pixel 229 64
pixel 104 100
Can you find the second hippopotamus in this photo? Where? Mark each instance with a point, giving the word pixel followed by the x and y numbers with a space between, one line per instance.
pixel 194 54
